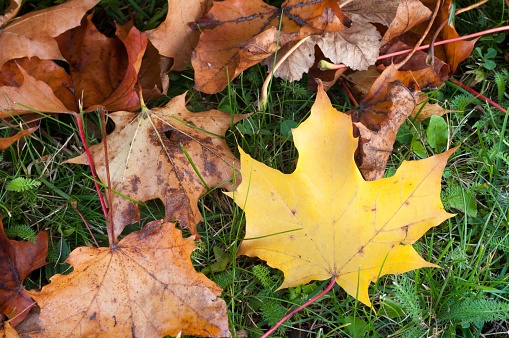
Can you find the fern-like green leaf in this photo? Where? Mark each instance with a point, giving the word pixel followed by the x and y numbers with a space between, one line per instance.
pixel 262 273
pixel 501 79
pixel 405 293
pixel 477 311
pixel 21 184
pixel 23 232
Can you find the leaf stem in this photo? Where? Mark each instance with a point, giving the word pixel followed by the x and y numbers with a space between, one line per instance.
pixel 79 121
pixel 303 306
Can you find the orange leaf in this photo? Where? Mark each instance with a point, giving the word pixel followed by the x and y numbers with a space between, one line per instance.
pixel 325 221
pixel 147 159
pixel 31 94
pixel 145 286
pixel 7 141
pixel 174 37
pixel 33 34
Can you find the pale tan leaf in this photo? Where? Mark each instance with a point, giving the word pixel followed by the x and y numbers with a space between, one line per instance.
pixel 357 47
pixel 296 64
pixel 33 34
pixel 377 11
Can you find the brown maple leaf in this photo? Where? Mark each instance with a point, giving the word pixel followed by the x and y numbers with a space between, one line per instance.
pixel 152 155
pixel 17 261
pixel 174 37
pixel 33 34
pixel 239 34
pixel 144 286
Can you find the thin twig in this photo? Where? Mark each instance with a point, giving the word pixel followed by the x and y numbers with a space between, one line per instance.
pixel 303 306
pixel 466 9
pixel 418 44
pixel 348 92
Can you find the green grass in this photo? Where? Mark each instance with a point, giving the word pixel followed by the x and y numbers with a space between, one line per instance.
pixel 467 297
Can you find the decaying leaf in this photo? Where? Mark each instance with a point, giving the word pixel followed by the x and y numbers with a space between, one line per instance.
pixel 324 221
pixel 145 286
pixel 33 34
pixel 379 122
pixel 6 142
pixel 17 260
pixel 409 14
pixel 148 159
pixel 7 331
pixel 174 37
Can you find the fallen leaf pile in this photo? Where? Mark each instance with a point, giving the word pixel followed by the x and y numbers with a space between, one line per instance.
pixel 334 217
pixel 325 221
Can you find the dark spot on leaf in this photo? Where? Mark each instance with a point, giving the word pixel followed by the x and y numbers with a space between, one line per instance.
pixel 92 317
pixel 135 181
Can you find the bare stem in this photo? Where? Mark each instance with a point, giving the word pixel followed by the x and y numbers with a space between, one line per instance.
pixel 264 99
pixel 479 95
pixel 303 306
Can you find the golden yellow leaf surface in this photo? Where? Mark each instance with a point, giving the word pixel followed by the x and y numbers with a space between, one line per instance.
pixel 323 220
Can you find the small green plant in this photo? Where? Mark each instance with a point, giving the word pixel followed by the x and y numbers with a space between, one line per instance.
pixel 21 184
pixel 22 231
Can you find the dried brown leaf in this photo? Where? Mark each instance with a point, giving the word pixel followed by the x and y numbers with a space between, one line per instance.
pixel 6 142
pixel 17 261
pixel 145 286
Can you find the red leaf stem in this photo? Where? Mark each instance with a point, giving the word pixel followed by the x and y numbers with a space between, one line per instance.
pixel 303 306
pixel 478 95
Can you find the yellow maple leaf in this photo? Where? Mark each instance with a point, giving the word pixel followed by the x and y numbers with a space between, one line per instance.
pixel 325 221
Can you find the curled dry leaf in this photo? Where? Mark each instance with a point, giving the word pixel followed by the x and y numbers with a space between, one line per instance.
pixel 6 142
pixel 10 12
pixel 376 11
pixel 377 139
pixel 325 221
pixel 239 34
pixel 17 261
pixel 33 34
pixel 104 70
pixel 148 159
pixel 409 14
pixel 174 37
pixel 145 286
